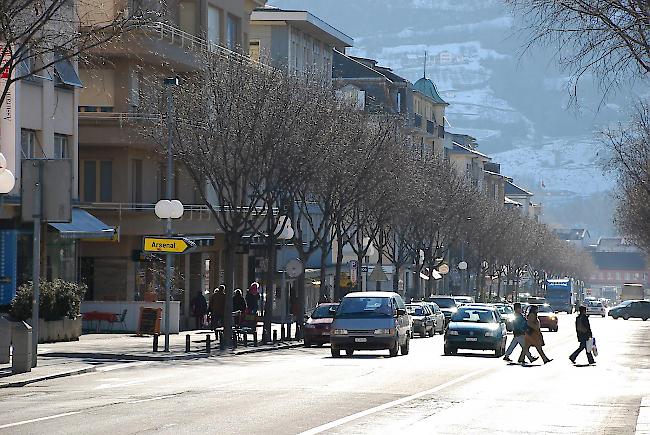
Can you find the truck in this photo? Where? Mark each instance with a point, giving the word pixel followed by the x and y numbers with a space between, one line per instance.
pixel 560 295
pixel 632 292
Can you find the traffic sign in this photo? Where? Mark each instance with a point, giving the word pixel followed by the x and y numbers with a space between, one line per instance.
pixel 378 274
pixel 170 245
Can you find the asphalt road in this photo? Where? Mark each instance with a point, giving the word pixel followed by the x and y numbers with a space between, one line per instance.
pixel 305 390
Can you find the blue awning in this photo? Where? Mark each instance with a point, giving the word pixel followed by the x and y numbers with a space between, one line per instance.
pixel 84 226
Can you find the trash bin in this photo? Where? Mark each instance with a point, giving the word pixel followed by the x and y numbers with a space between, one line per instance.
pixel 21 338
pixel 5 339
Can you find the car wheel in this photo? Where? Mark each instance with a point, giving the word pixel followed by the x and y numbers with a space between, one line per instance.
pixel 405 347
pixel 320 344
pixel 394 349
pixel 349 352
pixel 450 350
pixel 645 318
pixel 615 317
pixel 307 343
pixel 602 315
pixel 336 353
pixel 626 317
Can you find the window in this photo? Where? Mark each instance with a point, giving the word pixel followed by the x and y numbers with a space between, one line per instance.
pixel 65 72
pixel 214 25
pixel 97 180
pixel 136 181
pixel 28 143
pixel 187 17
pixel 61 147
pixel 233 32
pixel 254 50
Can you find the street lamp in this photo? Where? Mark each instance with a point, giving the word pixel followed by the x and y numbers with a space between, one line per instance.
pixel 7 179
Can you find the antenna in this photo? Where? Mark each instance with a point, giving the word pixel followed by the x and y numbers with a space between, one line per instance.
pixel 425 64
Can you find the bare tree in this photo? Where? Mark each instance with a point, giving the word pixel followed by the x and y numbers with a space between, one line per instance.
pixel 630 161
pixel 609 38
pixel 37 34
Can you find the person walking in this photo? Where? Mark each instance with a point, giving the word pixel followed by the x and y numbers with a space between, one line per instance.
pixel 533 337
pixel 583 331
pixel 519 327
pixel 238 306
pixel 199 309
pixel 217 304
pixel 253 298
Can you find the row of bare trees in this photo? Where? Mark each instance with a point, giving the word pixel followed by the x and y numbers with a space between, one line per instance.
pixel 266 149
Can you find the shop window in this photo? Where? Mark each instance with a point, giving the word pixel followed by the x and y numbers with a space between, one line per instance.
pixel 97 180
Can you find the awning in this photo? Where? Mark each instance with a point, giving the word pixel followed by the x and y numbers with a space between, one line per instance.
pixel 84 226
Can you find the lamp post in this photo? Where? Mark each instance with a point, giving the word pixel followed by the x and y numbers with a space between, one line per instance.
pixel 169 83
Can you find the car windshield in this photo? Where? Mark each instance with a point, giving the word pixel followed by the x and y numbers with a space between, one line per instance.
pixel 544 309
pixel 444 302
pixel 475 315
pixel 505 309
pixel 324 312
pixel 415 310
pixel 365 307
pixel 596 304
pixel 624 303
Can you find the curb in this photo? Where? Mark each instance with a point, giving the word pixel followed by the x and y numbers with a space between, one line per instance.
pixel 161 358
pixel 47 377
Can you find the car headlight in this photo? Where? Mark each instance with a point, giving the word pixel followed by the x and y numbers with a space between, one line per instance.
pixel 450 332
pixel 453 309
pixel 340 332
pixel 384 331
pixel 553 318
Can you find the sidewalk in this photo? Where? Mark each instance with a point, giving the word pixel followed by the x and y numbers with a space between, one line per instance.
pixel 105 352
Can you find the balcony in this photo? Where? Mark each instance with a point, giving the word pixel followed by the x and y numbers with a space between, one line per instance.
pixel 431 127
pixel 417 120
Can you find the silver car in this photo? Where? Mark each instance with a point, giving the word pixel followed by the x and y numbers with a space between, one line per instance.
pixel 371 321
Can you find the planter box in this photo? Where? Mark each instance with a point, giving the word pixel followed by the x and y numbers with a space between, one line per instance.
pixel 52 331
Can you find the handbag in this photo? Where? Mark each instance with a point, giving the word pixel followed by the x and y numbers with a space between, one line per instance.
pixel 591 346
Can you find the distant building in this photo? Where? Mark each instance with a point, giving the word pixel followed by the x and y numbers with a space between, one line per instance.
pixel 579 237
pixel 521 196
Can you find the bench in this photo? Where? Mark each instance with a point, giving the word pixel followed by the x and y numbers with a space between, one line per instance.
pixel 245 326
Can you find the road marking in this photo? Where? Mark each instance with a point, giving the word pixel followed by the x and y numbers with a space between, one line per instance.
pixel 397 402
pixel 112 367
pixel 35 420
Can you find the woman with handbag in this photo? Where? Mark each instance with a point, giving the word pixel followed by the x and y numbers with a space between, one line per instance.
pixel 583 330
pixel 533 337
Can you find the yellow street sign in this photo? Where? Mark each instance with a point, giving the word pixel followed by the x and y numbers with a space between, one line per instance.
pixel 171 245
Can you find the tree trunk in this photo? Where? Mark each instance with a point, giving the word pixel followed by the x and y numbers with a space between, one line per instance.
pixel 396 278
pixel 269 289
pixel 229 277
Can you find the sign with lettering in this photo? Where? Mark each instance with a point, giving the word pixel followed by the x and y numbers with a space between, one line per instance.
pixel 170 245
pixel 149 322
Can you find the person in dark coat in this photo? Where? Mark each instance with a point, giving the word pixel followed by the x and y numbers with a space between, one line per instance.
pixel 199 309
pixel 583 331
pixel 217 304
pixel 253 298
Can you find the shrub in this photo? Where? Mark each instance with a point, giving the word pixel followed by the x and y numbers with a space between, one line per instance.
pixel 58 299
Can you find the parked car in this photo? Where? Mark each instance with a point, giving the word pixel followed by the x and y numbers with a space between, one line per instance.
pixel 438 317
pixel 547 317
pixel 317 326
pixel 447 305
pixel 507 314
pixel 422 317
pixel 596 308
pixel 638 309
pixel 463 300
pixel 477 328
pixel 371 321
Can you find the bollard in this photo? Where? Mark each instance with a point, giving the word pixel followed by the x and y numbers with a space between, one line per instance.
pixel 155 342
pixel 289 331
pixel 255 338
pixel 21 338
pixel 234 340
pixel 275 336
pixel 187 343
pixel 282 336
pixel 222 345
pixel 208 344
pixel 245 339
pixel 5 340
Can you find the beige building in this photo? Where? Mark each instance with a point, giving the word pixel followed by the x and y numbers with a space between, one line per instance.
pixel 429 117
pixel 122 176
pixel 39 122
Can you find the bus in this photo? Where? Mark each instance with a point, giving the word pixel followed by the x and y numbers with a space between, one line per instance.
pixel 559 294
pixel 632 291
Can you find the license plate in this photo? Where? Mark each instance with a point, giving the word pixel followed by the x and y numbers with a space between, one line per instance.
pixel 471 339
pixel 360 340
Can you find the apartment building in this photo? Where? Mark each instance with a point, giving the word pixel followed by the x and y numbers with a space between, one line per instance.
pixel 122 176
pixel 429 117
pixel 39 122
pixel 296 40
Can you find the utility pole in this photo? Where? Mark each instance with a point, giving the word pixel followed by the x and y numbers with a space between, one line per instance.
pixel 36 259
pixel 169 83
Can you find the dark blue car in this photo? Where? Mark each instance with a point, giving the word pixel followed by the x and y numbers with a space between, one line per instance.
pixel 476 328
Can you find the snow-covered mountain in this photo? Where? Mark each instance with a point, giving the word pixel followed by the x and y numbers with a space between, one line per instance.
pixel 514 103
